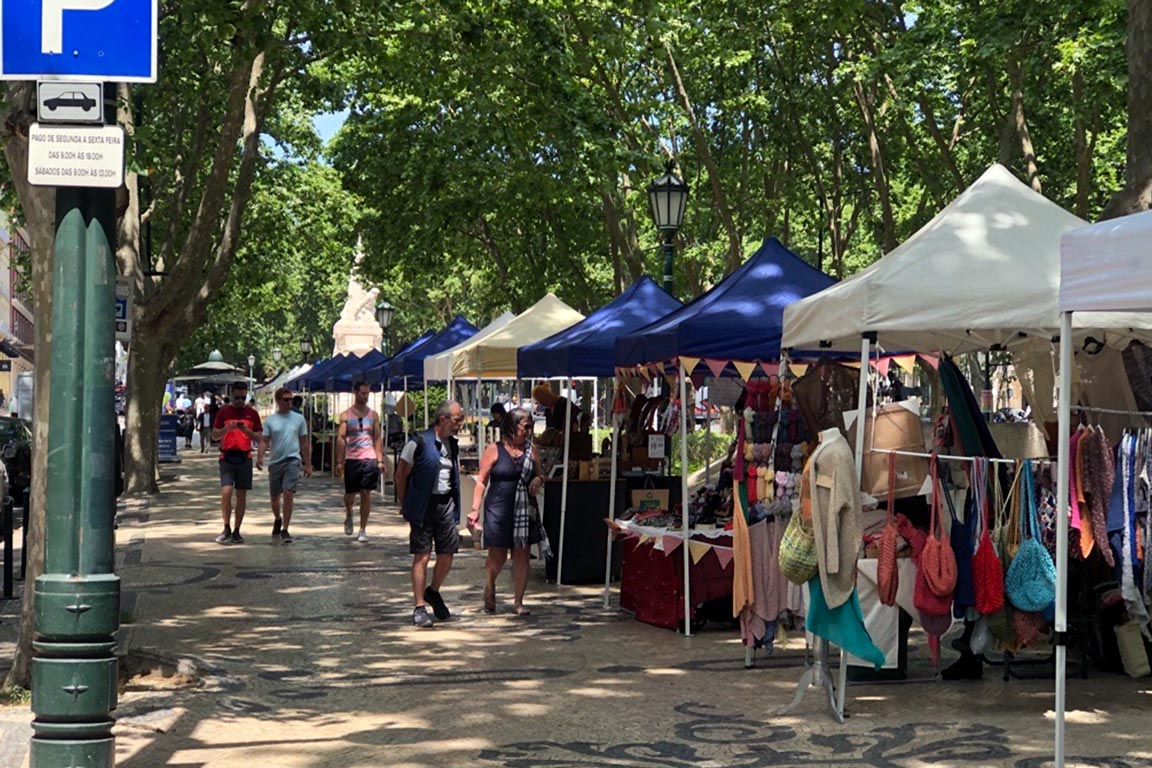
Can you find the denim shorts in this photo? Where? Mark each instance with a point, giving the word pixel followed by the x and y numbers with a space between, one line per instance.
pixel 239 476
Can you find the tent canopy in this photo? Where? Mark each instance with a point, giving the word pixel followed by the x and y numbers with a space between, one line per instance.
pixel 315 375
pixel 380 373
pixel 285 376
pixel 588 348
pixel 438 367
pixel 984 271
pixel 739 318
pixel 1104 266
pixel 410 362
pixel 354 368
pixel 494 356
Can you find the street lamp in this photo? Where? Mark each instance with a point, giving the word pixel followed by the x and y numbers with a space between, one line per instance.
pixel 277 355
pixel 384 312
pixel 305 349
pixel 667 196
pixel 251 381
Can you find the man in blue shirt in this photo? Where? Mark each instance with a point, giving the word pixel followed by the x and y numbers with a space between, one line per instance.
pixel 285 438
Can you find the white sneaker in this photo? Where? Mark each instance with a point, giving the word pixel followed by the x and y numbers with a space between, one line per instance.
pixel 363 537
pixel 348 525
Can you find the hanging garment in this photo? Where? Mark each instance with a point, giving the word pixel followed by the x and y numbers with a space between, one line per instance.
pixel 743 591
pixel 771 598
pixel 825 393
pixel 842 625
pixel 1087 541
pixel 935 612
pixel 1127 456
pixel 969 422
pixel 961 536
pixel 836 513
pixel 1099 486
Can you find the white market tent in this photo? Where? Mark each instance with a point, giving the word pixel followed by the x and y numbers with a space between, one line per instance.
pixel 983 271
pixel 1103 267
pixel 494 355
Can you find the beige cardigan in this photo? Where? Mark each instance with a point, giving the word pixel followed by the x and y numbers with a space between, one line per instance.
pixel 836 515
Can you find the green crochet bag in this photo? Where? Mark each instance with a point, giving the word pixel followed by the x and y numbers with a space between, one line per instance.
pixel 798 551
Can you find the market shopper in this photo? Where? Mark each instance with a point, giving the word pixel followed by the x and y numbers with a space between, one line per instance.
pixel 359 457
pixel 285 439
pixel 428 489
pixel 555 407
pixel 236 426
pixel 510 474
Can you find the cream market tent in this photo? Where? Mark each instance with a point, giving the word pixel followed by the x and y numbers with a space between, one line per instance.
pixel 1102 267
pixel 984 271
pixel 439 367
pixel 494 356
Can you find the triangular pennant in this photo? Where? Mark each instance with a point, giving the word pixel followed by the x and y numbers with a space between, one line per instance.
pixel 716 366
pixel 798 369
pixel 645 374
pixel 771 369
pixel 697 549
pixel 689 363
pixel 671 544
pixel 658 543
pixel 931 362
pixel 724 555
pixel 744 369
pixel 882 365
pixel 644 539
pixel 906 362
pixel 697 379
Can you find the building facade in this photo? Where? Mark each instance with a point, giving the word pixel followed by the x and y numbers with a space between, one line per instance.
pixel 17 324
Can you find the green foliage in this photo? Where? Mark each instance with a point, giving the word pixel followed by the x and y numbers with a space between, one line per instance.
pixel 15 697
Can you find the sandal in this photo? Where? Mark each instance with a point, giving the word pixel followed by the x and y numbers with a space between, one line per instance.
pixel 489 599
pixel 522 611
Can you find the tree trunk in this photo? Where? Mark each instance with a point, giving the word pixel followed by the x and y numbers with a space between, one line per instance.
pixel 879 175
pixel 147 369
pixel 39 207
pixel 1137 192
pixel 1020 127
pixel 1082 148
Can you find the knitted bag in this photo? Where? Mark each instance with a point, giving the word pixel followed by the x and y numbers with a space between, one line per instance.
pixel 798 551
pixel 1031 579
pixel 938 562
pixel 987 575
pixel 887 575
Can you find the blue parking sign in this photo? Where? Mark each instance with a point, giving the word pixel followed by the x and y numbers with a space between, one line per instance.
pixel 78 40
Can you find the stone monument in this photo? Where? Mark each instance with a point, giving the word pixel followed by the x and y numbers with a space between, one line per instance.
pixel 357 330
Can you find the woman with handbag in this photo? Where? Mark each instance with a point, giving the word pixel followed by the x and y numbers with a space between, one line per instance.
pixel 507 484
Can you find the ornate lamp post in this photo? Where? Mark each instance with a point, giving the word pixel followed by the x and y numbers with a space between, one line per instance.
pixel 305 349
pixel 251 364
pixel 667 197
pixel 384 312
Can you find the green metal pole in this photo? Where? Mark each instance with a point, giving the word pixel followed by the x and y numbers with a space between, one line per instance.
pixel 74 674
pixel 669 255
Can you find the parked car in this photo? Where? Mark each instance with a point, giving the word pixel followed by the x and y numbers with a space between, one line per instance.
pixel 16 450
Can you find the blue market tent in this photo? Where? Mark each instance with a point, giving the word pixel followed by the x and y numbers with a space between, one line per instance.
pixel 410 363
pixel 588 348
pixel 741 318
pixel 379 373
pixel 317 376
pixel 354 369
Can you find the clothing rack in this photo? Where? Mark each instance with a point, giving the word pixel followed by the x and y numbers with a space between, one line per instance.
pixel 948 457
pixel 1114 411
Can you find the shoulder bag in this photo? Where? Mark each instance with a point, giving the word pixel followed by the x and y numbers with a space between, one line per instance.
pixel 887 575
pixel 1031 579
pixel 937 560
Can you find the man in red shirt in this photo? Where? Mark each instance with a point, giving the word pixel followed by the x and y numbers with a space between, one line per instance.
pixel 236 426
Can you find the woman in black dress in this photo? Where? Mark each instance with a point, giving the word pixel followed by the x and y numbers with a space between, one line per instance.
pixel 511 475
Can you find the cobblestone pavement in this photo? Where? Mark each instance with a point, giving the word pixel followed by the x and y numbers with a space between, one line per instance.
pixel 308 660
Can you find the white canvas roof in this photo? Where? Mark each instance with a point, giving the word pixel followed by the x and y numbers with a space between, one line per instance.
pixel 438 367
pixel 494 356
pixel 1107 266
pixel 985 270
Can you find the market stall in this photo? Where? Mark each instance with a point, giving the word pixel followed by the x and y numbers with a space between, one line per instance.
pixel 1103 268
pixel 587 349
pixel 737 324
pixel 406 368
pixel 982 275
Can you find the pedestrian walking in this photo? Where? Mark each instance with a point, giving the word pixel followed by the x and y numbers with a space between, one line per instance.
pixel 511 474
pixel 236 426
pixel 204 421
pixel 428 489
pixel 359 457
pixel 285 439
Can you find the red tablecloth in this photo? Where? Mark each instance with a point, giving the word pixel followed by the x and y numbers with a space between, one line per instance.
pixel 651 583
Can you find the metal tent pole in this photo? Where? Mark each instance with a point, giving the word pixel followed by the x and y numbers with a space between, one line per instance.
pixel 1063 431
pixel 564 484
pixel 616 420
pixel 684 498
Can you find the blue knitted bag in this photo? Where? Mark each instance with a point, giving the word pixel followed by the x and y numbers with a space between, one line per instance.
pixel 1031 580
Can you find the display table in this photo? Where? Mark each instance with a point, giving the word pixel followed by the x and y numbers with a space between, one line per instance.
pixel 585 537
pixel 652 579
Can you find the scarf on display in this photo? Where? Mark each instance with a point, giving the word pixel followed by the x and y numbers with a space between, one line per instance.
pixel 1098 484
pixel 522 512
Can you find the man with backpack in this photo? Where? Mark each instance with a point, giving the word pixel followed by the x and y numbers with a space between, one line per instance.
pixel 236 426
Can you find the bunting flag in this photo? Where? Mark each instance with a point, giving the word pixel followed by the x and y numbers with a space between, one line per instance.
pixel 697 379
pixel 645 374
pixel 906 362
pixel 724 555
pixel 932 362
pixel 658 543
pixel 770 369
pixel 670 544
pixel 798 369
pixel 697 549
pixel 716 366
pixel 745 369
pixel 644 539
pixel 882 365
pixel 689 363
